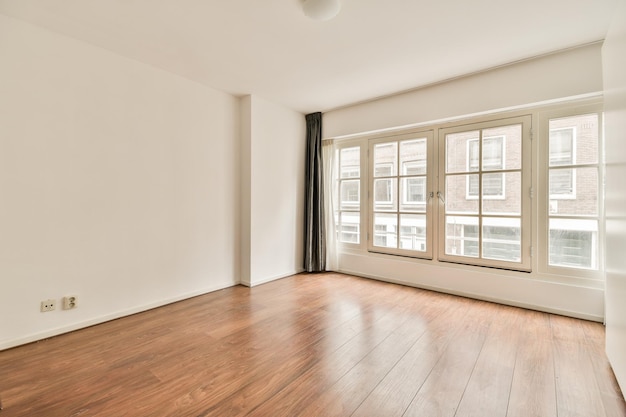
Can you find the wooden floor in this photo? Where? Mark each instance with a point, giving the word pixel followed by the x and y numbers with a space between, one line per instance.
pixel 318 345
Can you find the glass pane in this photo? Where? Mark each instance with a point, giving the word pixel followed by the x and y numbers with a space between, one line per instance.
pixel 471 186
pixel 502 239
pixel 458 149
pixel 414 194
pixel 493 186
pixel 562 183
pixel 502 193
pixel 413 232
pixel 473 155
pixel 462 194
pixel 574 191
pixel 385 198
pixel 574 139
pixel 574 243
pixel 462 236
pixel 385 159
pixel 413 157
pixel 386 230
pixel 350 194
pixel 493 153
pixel 350 163
pixel 502 148
pixel 562 146
pixel 349 228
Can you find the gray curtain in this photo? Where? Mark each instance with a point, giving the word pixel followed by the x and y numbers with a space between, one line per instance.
pixel 314 226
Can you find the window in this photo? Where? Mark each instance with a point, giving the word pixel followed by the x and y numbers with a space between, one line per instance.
pixel 574 191
pixel 483 170
pixel 348 217
pixel 488 194
pixel 400 213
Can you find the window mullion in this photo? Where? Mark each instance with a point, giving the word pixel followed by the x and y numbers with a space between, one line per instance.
pixel 480 194
pixel 398 171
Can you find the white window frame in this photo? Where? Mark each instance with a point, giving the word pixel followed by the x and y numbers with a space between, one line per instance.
pixel 543 162
pixel 525 262
pixel 357 208
pixel 538 189
pixel 396 179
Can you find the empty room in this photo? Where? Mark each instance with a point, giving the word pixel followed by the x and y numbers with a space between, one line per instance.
pixel 312 208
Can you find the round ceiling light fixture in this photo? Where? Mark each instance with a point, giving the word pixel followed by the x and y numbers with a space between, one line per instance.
pixel 321 9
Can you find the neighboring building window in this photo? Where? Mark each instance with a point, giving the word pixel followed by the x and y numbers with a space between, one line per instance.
pixel 416 167
pixel 384 169
pixel 399 189
pixel 348 217
pixel 561 152
pixel 350 171
pixel 574 189
pixel 486 219
pixel 414 191
pixel 350 193
pixel 492 160
pixel 383 192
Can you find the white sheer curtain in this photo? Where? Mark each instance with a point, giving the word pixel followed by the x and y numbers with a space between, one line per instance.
pixel 330 171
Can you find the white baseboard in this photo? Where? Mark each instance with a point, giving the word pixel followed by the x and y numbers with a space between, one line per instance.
pixel 107 317
pixel 513 303
pixel 273 278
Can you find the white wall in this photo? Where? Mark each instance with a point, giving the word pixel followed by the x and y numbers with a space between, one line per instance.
pixel 614 60
pixel 245 188
pixel 577 72
pixel 118 183
pixel 273 156
pixel 570 73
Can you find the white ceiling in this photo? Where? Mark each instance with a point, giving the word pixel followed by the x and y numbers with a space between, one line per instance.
pixel 373 48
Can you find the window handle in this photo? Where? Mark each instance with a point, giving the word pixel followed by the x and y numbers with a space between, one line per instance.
pixel 440 197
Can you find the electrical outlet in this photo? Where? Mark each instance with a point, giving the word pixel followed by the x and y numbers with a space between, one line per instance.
pixel 48 305
pixel 69 302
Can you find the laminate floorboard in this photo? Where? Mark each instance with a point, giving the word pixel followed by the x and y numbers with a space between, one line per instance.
pixel 488 389
pixel 533 392
pixel 318 345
